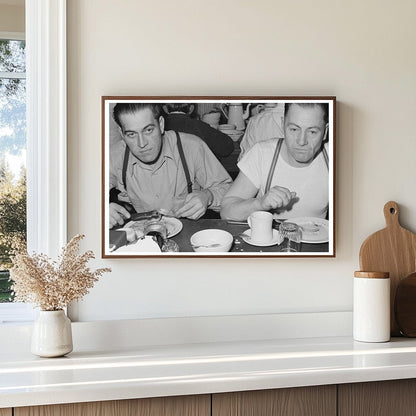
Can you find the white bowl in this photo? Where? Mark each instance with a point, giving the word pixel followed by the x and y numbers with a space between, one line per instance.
pixel 227 127
pixel 203 240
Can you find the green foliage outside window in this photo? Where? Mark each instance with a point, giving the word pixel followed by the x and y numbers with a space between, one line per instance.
pixel 12 223
pixel 12 146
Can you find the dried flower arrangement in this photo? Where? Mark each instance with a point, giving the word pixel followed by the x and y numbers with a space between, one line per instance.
pixel 53 285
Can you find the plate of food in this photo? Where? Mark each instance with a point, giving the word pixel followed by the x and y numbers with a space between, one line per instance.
pixel 314 230
pixel 173 225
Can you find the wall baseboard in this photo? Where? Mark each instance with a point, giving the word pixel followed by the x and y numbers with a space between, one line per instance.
pixel 125 334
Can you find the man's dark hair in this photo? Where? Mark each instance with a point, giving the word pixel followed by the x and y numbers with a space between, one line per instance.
pixel 183 107
pixel 323 106
pixel 131 108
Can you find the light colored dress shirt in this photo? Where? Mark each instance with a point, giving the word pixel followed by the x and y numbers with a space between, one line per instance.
pixel 163 185
pixel 263 126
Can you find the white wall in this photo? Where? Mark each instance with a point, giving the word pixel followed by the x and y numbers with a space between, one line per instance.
pixel 363 52
pixel 12 17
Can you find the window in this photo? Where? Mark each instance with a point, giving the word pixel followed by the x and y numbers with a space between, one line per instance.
pixel 12 153
pixel 46 135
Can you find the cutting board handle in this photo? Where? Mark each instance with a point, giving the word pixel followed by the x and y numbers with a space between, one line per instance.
pixel 391 214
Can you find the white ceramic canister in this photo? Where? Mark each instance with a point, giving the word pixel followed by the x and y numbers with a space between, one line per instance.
pixel 52 334
pixel 371 309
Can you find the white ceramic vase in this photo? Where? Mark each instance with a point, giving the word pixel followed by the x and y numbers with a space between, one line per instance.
pixel 52 334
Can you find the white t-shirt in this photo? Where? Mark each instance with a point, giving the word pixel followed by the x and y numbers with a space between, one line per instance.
pixel 311 183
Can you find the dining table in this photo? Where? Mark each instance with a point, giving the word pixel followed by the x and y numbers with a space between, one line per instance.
pixel 236 229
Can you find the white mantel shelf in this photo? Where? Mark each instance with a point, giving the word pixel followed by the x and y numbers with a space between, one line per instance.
pixel 210 367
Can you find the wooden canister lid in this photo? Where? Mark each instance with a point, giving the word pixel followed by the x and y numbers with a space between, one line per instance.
pixel 372 275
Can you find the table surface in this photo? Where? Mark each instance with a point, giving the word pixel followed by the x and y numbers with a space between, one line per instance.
pixel 239 245
pixel 190 227
pixel 152 371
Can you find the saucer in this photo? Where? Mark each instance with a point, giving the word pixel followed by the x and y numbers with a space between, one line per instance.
pixel 246 236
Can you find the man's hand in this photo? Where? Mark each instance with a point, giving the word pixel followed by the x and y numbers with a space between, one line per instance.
pixel 195 205
pixel 277 197
pixel 118 215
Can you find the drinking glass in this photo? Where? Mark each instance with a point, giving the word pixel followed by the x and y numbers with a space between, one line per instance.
pixel 291 235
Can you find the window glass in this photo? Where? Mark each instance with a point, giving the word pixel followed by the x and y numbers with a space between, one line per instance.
pixel 12 156
pixel 12 55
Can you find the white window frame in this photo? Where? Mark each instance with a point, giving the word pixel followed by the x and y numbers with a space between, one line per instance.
pixel 46 134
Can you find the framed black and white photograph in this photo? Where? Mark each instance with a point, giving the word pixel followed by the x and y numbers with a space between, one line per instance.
pixel 218 176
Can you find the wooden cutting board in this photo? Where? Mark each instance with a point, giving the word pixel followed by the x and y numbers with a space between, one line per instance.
pixel 393 250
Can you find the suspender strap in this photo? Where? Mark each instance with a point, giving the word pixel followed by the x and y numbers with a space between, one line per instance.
pixel 274 162
pixel 326 158
pixel 184 164
pixel 273 165
pixel 181 154
pixel 125 163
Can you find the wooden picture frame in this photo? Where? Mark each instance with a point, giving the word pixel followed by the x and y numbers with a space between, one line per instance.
pixel 170 163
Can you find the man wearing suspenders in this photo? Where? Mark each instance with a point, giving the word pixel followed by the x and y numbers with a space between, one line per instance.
pixel 154 169
pixel 287 176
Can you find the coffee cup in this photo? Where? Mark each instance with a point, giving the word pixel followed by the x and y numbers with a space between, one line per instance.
pixel 260 223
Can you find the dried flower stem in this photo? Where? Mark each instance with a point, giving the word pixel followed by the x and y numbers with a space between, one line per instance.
pixel 53 285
